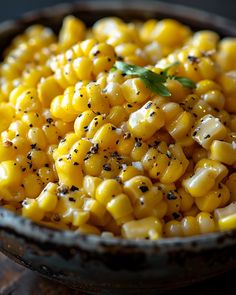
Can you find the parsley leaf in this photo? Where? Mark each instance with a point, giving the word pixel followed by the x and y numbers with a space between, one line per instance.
pixel 185 82
pixel 155 82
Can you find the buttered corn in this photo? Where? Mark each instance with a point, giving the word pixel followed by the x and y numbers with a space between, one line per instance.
pixel 87 146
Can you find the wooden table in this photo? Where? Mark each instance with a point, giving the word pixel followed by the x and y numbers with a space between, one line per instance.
pixel 17 280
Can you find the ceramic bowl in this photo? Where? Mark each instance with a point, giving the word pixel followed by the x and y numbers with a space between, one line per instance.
pixel 106 265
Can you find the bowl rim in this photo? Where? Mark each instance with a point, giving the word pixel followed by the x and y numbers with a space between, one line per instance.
pixel 33 232
pixel 25 228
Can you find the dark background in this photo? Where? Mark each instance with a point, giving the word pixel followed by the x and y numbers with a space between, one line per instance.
pixel 14 8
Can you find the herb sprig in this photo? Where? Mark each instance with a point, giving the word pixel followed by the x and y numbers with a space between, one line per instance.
pixel 155 82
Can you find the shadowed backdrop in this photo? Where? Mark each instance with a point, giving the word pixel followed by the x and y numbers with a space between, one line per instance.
pixel 14 8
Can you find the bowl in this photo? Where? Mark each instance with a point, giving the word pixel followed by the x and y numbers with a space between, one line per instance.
pixel 113 265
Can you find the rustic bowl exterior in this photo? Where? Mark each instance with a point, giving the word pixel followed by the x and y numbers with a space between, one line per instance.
pixel 115 266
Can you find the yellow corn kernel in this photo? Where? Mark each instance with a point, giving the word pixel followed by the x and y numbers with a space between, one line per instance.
pixel 80 99
pixel 213 199
pixel 83 68
pixel 148 204
pixel 150 158
pixel 137 186
pixel 173 228
pixel 31 210
pixel 226 54
pixel 208 129
pixel 149 227
pixel 177 90
pixel 190 226
pixel 227 223
pixel 107 137
pixel 161 210
pixel 186 200
pixel 46 174
pixel 170 27
pixel 117 115
pixel 67 202
pixel 37 136
pixel 79 150
pixel 114 93
pixel 173 171
pixel 135 91
pixel 215 99
pixel 7 151
pixel 21 145
pixel 205 40
pixel 19 127
pixel 107 190
pixel 101 49
pixel 129 172
pixel 38 158
pixel 206 222
pixel 173 201
pixel 171 110
pixel 90 185
pixel 68 172
pixel 10 174
pixel 52 133
pixel 73 30
pixel 231 184
pixel 200 183
pixel 126 144
pixel 226 217
pixel 205 86
pixel 180 127
pixel 233 123
pixel 93 163
pixel 111 169
pixel 32 118
pixel 139 150
pixel 96 99
pixel 223 152
pixel 146 29
pixel 58 112
pixel 80 217
pixel 228 82
pixel 220 171
pixel 159 166
pixel 146 121
pixel 230 105
pixel 6 115
pixel 96 210
pixel 48 88
pixel 47 200
pixel 32 185
pixel 119 206
pixel 102 64
pixel 82 122
pixel 95 125
pixel 28 101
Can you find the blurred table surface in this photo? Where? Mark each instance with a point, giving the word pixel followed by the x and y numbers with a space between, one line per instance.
pixel 17 280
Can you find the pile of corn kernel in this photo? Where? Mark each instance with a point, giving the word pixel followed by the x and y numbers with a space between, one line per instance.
pixel 85 147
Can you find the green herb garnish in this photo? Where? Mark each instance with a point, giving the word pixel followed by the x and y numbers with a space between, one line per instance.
pixel 155 82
